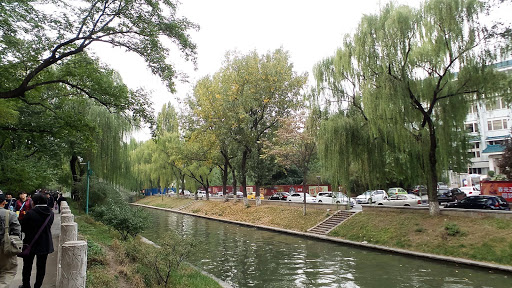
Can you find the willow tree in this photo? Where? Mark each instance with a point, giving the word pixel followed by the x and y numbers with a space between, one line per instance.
pixel 413 73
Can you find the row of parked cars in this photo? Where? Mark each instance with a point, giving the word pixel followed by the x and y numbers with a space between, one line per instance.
pixel 464 197
pixel 321 197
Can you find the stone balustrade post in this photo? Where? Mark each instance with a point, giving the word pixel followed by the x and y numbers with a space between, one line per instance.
pixel 74 265
pixel 68 233
pixel 67 218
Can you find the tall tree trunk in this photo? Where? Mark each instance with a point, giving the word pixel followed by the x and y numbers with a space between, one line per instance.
pixel 233 173
pixel 304 191
pixel 243 176
pixel 304 177
pixel 225 176
pixel 433 204
pixel 182 180
pixel 257 192
pixel 75 177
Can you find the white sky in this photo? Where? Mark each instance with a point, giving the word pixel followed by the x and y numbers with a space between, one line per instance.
pixel 309 30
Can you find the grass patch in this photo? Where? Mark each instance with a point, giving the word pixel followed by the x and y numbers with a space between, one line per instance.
pixel 486 239
pixel 275 216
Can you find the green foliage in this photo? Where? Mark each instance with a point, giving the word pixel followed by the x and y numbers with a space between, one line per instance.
pixel 167 259
pixel 452 229
pixel 128 221
pixel 95 254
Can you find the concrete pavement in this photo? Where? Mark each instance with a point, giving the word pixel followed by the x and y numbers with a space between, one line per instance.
pixel 50 279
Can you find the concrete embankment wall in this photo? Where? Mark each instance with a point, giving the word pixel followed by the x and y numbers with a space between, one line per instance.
pixel 469 213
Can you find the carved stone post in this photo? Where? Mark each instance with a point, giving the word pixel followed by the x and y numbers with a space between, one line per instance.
pixel 67 218
pixel 68 232
pixel 74 265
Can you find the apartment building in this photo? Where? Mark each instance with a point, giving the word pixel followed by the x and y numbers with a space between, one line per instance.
pixel 490 124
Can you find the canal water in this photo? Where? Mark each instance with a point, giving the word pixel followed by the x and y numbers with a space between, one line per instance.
pixel 251 257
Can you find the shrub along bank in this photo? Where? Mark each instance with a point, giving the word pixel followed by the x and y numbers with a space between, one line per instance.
pixel 116 259
pixel 486 239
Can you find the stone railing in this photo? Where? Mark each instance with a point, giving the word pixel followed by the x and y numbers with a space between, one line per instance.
pixel 72 254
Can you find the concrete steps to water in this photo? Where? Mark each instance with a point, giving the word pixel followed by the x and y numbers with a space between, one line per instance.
pixel 326 226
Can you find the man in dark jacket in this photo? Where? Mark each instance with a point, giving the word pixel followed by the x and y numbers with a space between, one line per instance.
pixel 43 245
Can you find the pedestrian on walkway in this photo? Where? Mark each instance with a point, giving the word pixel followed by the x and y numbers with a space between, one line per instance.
pixel 23 205
pixel 60 199
pixel 43 245
pixel 10 202
pixel 50 199
pixel 8 263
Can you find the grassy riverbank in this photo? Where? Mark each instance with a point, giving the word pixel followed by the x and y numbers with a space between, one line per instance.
pixel 275 216
pixel 112 262
pixel 487 239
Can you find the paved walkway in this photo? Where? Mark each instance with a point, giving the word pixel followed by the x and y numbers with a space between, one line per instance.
pixel 50 279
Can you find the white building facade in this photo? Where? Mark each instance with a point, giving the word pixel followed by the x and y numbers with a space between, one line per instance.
pixel 490 124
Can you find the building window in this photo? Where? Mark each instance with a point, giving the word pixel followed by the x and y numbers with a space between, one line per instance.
pixel 475 171
pixel 495 104
pixel 473 108
pixel 472 127
pixel 497 124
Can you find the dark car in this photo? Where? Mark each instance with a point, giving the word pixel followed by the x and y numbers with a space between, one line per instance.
pixel 481 202
pixel 419 189
pixel 279 196
pixel 449 195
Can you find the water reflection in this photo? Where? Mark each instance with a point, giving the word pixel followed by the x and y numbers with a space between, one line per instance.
pixel 249 257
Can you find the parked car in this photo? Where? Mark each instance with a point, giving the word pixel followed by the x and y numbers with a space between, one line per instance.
pixel 363 198
pixel 441 185
pixel 419 189
pixel 299 197
pixel 185 193
pixel 401 200
pixel 481 202
pixel 201 194
pixel 334 198
pixel 395 191
pixel 252 195
pixel 449 195
pixel 470 190
pixel 279 196
pixel 377 195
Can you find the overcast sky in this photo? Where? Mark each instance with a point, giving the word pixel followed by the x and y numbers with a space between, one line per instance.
pixel 309 30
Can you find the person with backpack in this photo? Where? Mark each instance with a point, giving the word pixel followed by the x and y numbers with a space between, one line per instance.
pixel 8 262
pixel 39 218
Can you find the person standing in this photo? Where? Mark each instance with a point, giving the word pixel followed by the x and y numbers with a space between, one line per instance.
pixel 43 245
pixel 23 205
pixel 8 263
pixel 50 200
pixel 10 202
pixel 60 199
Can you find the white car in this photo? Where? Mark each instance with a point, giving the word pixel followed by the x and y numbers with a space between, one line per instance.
pixel 299 197
pixel 363 198
pixel 401 200
pixel 470 190
pixel 334 198
pixel 377 195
